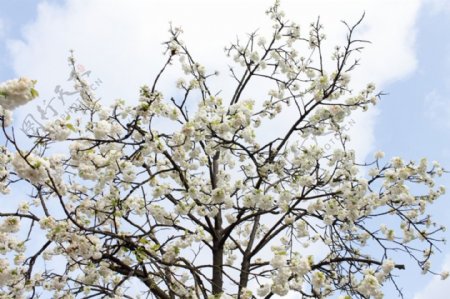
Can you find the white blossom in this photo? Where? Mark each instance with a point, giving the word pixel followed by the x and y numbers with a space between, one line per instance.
pixel 17 92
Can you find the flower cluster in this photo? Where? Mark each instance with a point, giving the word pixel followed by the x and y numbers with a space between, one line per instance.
pixel 60 129
pixel 17 92
pixel 32 168
pixel 5 160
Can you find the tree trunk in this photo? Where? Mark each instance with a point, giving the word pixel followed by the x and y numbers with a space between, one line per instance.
pixel 217 281
pixel 217 275
pixel 245 266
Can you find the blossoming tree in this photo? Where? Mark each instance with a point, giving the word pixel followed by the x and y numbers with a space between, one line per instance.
pixel 213 208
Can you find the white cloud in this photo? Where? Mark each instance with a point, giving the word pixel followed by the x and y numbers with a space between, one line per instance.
pixel 436 288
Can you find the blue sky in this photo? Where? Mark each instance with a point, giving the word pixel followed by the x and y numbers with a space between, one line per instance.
pixel 410 58
pixel 405 111
pixel 414 121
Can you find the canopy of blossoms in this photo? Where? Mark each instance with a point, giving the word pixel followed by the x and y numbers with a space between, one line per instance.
pixel 212 209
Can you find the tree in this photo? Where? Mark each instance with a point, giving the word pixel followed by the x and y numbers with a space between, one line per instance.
pixel 186 196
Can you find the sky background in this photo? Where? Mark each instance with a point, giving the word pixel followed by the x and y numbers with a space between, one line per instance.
pixel 120 43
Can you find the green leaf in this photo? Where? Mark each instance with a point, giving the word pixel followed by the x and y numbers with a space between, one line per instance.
pixel 71 127
pixel 34 93
pixel 140 254
pixel 143 241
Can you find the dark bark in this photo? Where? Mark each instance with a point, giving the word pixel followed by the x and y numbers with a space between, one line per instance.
pixel 217 281
pixel 217 252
